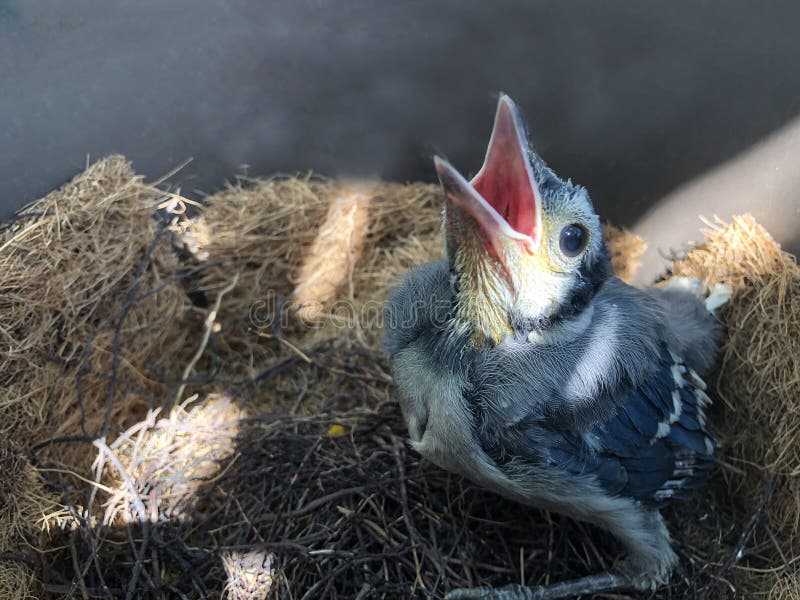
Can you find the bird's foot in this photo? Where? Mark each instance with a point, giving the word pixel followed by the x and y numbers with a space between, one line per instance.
pixel 687 284
pixel 602 582
pixel 717 296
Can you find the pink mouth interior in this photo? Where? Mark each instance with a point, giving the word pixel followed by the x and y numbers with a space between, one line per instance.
pixel 504 182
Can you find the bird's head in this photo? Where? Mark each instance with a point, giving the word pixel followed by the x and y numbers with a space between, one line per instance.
pixel 526 247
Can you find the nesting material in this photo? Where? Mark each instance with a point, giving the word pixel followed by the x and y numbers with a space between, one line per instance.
pixel 250 575
pixel 154 469
pixel 313 490
pixel 331 260
pixel 18 581
pixel 295 244
pixel 26 508
pixel 786 588
pixel 626 249
pixel 758 379
pixel 23 501
pixel 79 310
pixel 86 309
pixel 263 231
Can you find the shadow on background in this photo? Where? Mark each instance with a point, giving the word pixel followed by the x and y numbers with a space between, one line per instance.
pixel 630 100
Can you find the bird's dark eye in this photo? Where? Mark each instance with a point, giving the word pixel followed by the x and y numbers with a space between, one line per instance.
pixel 572 240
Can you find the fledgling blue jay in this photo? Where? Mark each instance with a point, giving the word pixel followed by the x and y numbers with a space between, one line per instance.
pixel 523 365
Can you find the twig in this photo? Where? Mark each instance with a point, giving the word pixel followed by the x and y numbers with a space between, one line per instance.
pixel 76 567
pixel 103 592
pixel 211 320
pixel 748 530
pixel 288 344
pixel 412 530
pixel 123 314
pixel 136 499
pixel 137 567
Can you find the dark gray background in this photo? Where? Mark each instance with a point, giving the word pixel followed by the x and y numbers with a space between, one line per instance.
pixel 640 101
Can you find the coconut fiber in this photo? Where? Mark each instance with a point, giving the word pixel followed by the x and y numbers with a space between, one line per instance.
pixel 193 403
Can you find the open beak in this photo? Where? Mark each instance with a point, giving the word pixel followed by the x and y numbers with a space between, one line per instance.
pixel 502 198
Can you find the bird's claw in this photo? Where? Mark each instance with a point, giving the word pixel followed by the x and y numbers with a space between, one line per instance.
pixel 717 296
pixel 687 284
pixel 601 582
pixel 508 592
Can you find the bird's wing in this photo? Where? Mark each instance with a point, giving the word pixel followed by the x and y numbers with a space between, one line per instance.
pixel 656 446
pixel 420 304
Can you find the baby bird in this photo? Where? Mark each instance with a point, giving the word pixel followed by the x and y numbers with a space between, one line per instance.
pixel 522 364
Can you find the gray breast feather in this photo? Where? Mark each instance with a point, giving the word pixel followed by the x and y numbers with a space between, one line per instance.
pixel 514 401
pixel 564 426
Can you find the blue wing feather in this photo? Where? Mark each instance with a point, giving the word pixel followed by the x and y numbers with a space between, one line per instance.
pixel 642 414
pixel 646 450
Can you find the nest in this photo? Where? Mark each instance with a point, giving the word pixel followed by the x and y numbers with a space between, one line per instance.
pixel 195 404
pixel 626 250
pixel 758 383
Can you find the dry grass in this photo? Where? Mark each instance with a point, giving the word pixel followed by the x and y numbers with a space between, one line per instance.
pixel 77 315
pixel 155 467
pixel 295 244
pixel 289 475
pixel 758 379
pixel 626 250
pixel 250 575
pixel 80 322
pixel 25 506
